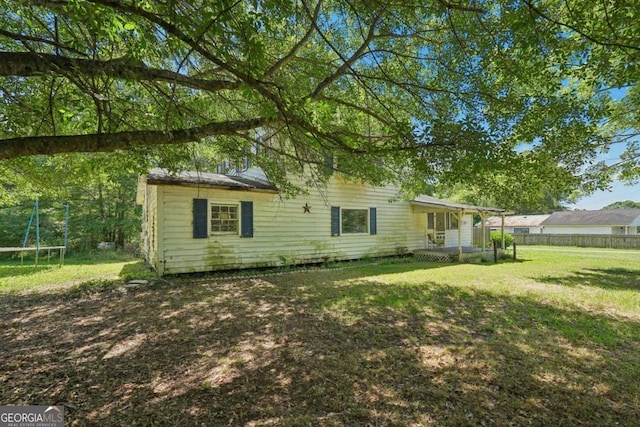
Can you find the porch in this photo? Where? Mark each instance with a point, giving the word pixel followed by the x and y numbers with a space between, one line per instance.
pixel 449 230
pixel 455 254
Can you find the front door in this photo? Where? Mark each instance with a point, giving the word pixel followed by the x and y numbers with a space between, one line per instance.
pixel 440 222
pixel 440 226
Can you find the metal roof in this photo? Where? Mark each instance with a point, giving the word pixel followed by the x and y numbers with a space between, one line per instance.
pixel 613 217
pixel 445 205
pixel 516 220
pixel 207 179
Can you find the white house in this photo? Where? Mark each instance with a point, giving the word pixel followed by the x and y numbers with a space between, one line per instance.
pixel 517 224
pixel 614 221
pixel 197 222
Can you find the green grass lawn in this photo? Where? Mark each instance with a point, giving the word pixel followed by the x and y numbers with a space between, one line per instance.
pixel 49 275
pixel 551 339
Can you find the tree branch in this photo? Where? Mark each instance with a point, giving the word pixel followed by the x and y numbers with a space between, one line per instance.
pixel 261 87
pixel 280 62
pixel 347 62
pixel 460 7
pixel 577 30
pixel 27 64
pixel 108 142
pixel 25 38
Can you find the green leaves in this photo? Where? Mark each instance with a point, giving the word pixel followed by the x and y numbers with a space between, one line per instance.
pixel 455 94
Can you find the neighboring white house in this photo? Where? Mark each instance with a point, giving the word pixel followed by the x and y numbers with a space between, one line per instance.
pixel 197 222
pixel 517 224
pixel 614 221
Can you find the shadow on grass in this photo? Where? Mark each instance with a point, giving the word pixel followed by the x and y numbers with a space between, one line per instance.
pixel 332 349
pixel 364 267
pixel 606 278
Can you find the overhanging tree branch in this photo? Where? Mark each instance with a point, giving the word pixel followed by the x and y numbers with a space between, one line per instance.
pixel 292 53
pixel 590 37
pixel 94 143
pixel 346 62
pixel 39 40
pixel 461 7
pixel 28 64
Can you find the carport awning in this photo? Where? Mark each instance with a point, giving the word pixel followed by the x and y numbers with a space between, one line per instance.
pixel 438 205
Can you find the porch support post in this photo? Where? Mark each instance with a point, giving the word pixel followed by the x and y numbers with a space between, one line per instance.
pixel 502 231
pixel 460 215
pixel 483 217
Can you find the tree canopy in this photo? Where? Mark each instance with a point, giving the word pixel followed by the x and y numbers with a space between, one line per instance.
pixel 515 97
pixel 626 204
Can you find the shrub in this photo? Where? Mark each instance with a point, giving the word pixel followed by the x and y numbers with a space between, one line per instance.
pixel 496 236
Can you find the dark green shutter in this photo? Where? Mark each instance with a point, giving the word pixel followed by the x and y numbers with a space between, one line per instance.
pixel 373 221
pixel 199 218
pixel 328 164
pixel 246 219
pixel 335 220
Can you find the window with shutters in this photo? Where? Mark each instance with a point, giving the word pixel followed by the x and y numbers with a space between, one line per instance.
pixel 355 221
pixel 225 219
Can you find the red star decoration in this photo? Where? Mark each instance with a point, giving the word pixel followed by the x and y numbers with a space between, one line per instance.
pixel 306 208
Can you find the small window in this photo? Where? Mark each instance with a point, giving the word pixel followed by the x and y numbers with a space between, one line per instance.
pixel 224 219
pixel 520 230
pixel 355 221
pixel 452 222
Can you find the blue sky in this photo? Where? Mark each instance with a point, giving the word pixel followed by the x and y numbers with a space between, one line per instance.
pixel 600 199
pixel 618 192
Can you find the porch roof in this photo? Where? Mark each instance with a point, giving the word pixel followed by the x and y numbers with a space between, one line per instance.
pixel 439 205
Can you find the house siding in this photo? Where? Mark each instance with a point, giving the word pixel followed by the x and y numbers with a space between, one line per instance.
pixel 282 232
pixel 466 228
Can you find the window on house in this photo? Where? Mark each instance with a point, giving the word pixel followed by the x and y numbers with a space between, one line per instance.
pixel 355 221
pixel 520 230
pixel 224 219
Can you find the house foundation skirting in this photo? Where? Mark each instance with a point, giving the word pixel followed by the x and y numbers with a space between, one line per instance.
pixel 470 255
